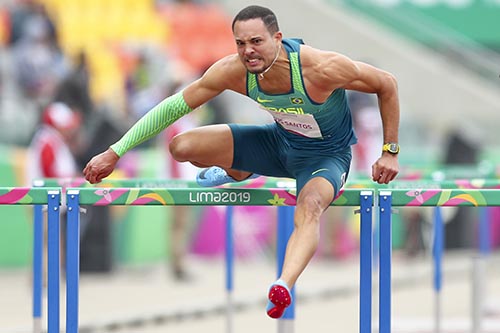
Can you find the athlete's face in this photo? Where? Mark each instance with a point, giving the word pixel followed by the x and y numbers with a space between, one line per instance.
pixel 257 48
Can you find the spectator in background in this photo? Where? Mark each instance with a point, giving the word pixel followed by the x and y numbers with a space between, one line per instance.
pixel 39 63
pixel 463 148
pixel 141 90
pixel 21 13
pixel 74 89
pixel 51 151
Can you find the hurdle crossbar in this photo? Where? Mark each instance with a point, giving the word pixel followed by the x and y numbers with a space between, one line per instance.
pixel 445 197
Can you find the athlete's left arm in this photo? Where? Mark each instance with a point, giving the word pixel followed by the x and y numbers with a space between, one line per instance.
pixel 363 77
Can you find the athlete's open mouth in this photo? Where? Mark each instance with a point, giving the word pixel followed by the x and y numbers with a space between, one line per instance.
pixel 253 61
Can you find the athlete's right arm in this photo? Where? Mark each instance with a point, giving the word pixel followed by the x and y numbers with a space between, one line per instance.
pixel 163 115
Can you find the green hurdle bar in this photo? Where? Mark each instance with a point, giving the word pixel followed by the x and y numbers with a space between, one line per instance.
pixel 203 197
pixel 446 197
pixel 418 198
pixel 40 197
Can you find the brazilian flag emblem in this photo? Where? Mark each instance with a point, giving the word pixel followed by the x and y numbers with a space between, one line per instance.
pixel 296 100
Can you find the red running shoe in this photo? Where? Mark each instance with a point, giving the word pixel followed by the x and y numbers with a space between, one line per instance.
pixel 279 299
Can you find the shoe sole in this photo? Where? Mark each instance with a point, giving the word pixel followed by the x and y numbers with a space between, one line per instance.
pixel 280 298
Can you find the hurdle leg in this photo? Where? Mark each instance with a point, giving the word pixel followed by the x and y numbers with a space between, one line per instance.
pixel 53 261
pixel 284 231
pixel 72 260
pixel 437 253
pixel 365 259
pixel 229 243
pixel 376 235
pixel 479 267
pixel 484 231
pixel 385 257
pixel 37 267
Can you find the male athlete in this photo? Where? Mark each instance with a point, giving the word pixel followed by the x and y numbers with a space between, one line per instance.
pixel 303 88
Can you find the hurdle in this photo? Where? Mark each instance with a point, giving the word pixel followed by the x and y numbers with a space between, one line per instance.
pixel 262 182
pixel 39 197
pixel 444 179
pixel 417 198
pixel 38 222
pixel 210 196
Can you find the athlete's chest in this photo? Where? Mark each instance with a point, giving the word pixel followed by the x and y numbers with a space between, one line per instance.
pixel 312 87
pixel 293 111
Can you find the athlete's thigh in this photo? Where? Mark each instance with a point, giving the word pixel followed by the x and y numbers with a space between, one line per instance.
pixel 259 149
pixel 204 146
pixel 334 169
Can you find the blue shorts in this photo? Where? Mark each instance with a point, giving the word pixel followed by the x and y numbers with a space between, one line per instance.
pixel 261 149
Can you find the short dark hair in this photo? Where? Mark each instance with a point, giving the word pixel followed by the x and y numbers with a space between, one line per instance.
pixel 254 12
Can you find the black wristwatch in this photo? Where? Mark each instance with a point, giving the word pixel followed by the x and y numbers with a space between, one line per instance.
pixel 391 147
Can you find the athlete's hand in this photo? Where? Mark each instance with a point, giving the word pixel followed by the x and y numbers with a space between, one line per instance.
pixel 386 168
pixel 100 166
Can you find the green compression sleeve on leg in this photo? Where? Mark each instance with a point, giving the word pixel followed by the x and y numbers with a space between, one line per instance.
pixel 152 123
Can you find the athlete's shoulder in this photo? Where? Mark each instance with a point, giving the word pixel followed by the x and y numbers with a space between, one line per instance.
pixel 229 65
pixel 227 73
pixel 326 62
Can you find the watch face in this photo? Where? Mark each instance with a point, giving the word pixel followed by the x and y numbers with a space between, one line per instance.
pixel 393 148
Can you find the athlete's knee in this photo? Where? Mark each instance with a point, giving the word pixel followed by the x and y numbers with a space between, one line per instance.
pixel 315 197
pixel 311 205
pixel 181 147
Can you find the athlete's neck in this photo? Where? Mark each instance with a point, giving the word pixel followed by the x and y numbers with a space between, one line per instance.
pixel 261 75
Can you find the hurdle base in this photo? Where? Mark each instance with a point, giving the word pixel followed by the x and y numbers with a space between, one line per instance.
pixel 286 326
pixel 37 325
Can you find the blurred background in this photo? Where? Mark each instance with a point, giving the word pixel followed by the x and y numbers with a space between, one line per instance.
pixel 100 65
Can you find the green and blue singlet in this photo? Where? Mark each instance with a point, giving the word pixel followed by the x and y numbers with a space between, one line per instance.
pixel 306 140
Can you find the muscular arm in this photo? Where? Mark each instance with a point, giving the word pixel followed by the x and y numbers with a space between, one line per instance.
pixel 225 74
pixel 330 71
pixel 372 80
pixel 174 107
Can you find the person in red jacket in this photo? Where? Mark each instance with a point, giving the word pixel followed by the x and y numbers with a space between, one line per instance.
pixel 50 154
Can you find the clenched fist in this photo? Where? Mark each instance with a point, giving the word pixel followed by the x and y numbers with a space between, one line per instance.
pixel 385 169
pixel 100 166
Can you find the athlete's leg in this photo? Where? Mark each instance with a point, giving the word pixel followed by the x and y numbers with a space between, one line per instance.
pixel 207 146
pixel 313 199
pixel 318 184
